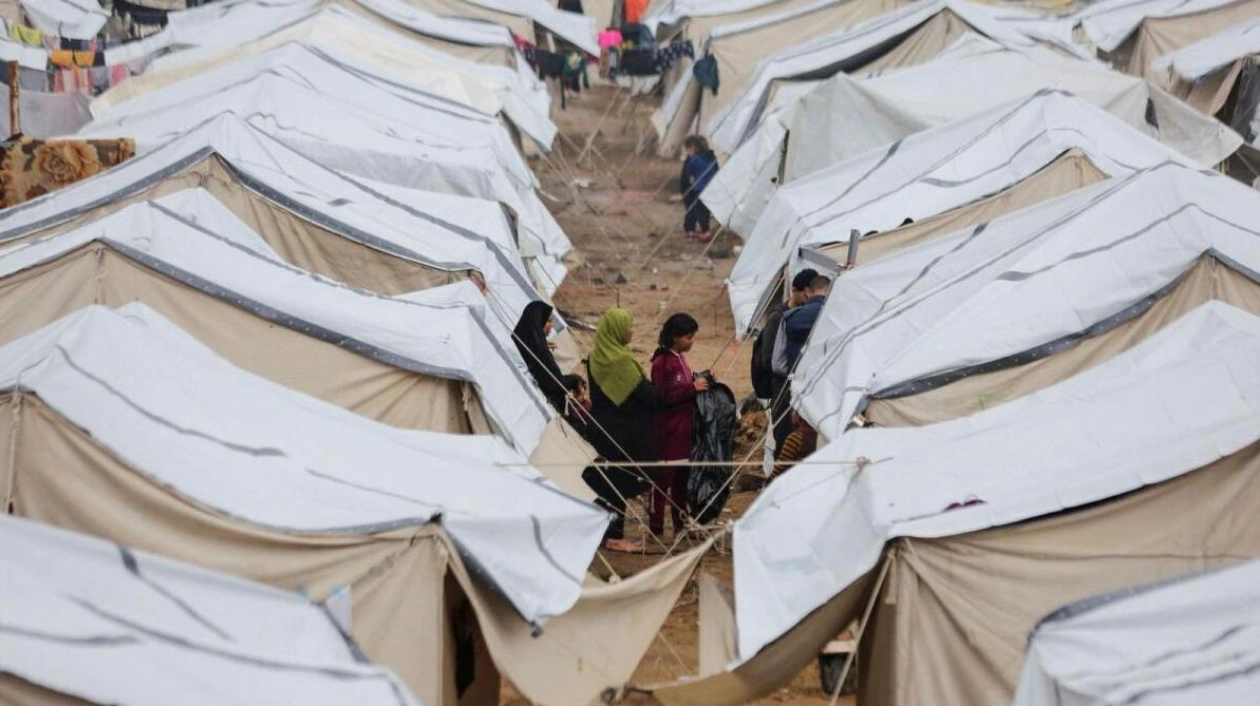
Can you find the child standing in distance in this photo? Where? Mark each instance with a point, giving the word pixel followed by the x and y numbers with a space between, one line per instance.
pixel 698 170
pixel 676 388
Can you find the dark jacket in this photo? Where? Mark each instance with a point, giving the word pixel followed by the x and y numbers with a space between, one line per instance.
pixel 697 172
pixel 624 432
pixel 797 324
pixel 762 365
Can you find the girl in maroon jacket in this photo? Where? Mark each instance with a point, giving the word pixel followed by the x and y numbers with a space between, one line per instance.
pixel 676 388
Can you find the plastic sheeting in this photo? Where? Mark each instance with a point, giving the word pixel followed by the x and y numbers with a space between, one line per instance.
pixel 708 487
pixel 1190 640
pixel 928 174
pixel 89 619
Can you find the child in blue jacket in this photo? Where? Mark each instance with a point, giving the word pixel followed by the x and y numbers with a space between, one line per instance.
pixel 697 172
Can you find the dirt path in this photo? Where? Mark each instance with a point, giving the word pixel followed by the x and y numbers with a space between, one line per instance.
pixel 616 207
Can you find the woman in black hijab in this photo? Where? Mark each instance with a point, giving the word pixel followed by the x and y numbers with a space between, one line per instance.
pixel 530 336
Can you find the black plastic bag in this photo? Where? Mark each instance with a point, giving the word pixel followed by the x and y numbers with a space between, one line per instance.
pixel 708 487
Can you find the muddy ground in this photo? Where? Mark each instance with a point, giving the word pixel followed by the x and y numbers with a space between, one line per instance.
pixel 618 203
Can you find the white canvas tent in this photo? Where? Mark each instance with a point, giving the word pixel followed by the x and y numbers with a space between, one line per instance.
pixel 1133 34
pixel 926 175
pixel 1189 640
pixel 1082 276
pixel 227 24
pixel 1214 75
pixel 737 47
pixel 360 142
pixel 73 19
pixel 121 414
pixel 431 361
pixel 907 36
pixel 434 122
pixel 521 16
pixel 88 620
pixel 382 238
pixel 866 113
pixel 380 52
pixel 968 532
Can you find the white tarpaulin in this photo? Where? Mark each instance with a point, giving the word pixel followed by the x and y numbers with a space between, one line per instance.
pixel 96 621
pixel 262 453
pixel 842 51
pixel 1017 283
pixel 1109 24
pixel 1189 641
pixel 431 332
pixel 72 19
pixel 387 55
pixel 397 142
pixel 246 20
pixel 867 113
pixel 1195 61
pixel 924 175
pixel 434 230
pixel 1185 398
pixel 880 110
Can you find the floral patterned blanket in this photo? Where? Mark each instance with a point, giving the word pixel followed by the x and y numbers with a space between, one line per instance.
pixel 30 168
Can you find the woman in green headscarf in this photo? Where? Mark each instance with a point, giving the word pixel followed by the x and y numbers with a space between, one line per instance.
pixel 623 405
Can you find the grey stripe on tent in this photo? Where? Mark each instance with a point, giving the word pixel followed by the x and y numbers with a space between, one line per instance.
pixel 542 548
pixel 871 324
pixel 365 238
pixel 1083 606
pixel 1050 348
pixel 325 671
pixel 1007 117
pixel 129 561
pixel 274 315
pixel 130 190
pixel 241 448
pixel 103 641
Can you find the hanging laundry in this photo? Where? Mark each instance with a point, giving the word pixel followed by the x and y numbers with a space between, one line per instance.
pixel 140 14
pixel 609 38
pixel 527 49
pixel 634 10
pixel 706 73
pixel 638 62
pixel 26 35
pixel 550 65
pixel 100 79
pixel 67 58
pixel 31 168
pixel 74 79
pixel 118 73
pixel 669 54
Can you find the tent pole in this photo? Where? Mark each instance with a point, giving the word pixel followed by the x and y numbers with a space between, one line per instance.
pixel 857 637
pixel 15 116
